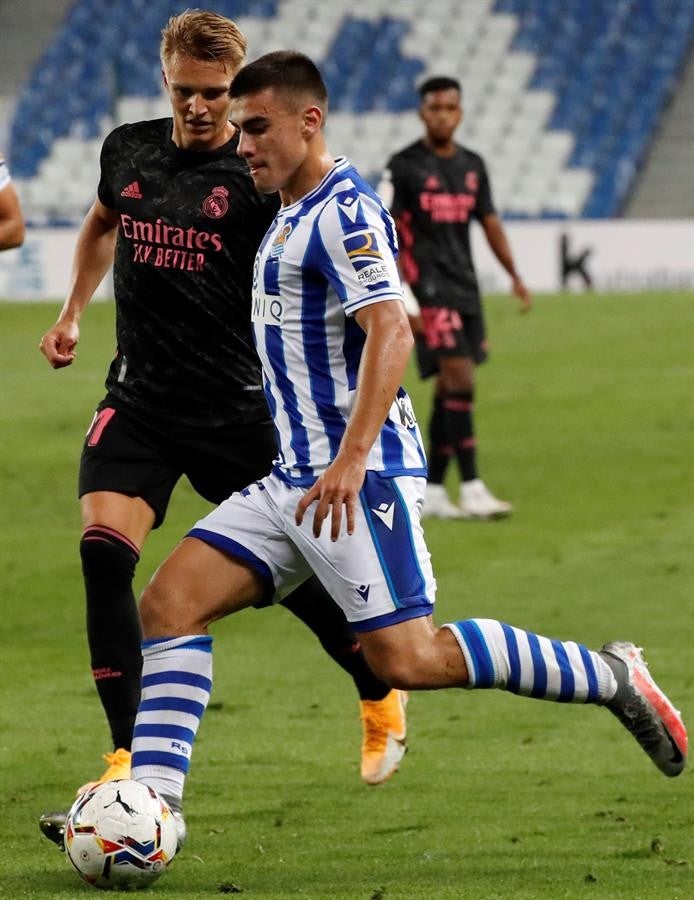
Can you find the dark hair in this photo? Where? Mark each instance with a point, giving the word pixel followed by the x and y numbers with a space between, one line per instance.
pixel 283 70
pixel 439 83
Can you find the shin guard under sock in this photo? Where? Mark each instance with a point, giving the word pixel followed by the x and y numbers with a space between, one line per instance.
pixel 458 409
pixel 502 656
pixel 440 443
pixel 176 685
pixel 113 626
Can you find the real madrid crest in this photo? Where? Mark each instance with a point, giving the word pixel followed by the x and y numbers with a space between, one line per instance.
pixel 216 205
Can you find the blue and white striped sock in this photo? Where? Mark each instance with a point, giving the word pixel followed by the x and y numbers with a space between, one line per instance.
pixel 176 684
pixel 501 656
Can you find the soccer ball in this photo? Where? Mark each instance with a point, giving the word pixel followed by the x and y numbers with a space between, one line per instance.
pixel 120 835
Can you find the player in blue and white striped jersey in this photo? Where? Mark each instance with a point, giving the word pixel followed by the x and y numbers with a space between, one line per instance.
pixel 334 340
pixel 11 218
pixel 305 299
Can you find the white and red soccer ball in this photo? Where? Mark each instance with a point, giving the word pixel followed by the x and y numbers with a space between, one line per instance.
pixel 120 835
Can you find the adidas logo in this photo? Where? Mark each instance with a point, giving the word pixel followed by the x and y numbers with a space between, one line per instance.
pixel 132 190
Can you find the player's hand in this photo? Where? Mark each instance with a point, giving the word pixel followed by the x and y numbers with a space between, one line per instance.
pixel 523 294
pixel 336 488
pixel 58 345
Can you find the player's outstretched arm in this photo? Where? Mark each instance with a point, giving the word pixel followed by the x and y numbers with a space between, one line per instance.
pixel 381 371
pixel 11 219
pixel 93 257
pixel 496 237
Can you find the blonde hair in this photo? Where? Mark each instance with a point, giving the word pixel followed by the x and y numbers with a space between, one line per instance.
pixel 203 35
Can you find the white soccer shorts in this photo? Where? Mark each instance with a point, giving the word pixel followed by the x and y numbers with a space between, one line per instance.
pixel 379 575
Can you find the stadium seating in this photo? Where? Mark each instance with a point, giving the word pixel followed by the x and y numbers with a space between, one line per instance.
pixel 561 99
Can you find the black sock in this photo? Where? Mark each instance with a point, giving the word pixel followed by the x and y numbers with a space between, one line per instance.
pixel 440 444
pixel 312 604
pixel 460 429
pixel 113 626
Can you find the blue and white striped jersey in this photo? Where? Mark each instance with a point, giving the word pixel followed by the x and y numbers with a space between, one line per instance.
pixel 323 258
pixel 4 174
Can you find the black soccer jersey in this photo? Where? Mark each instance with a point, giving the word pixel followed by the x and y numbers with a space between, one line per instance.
pixel 190 224
pixel 434 199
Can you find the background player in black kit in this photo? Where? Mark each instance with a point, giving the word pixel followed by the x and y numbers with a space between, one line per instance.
pixel 434 188
pixel 178 208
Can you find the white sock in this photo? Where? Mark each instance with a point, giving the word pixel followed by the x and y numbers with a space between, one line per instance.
pixel 176 684
pixel 501 656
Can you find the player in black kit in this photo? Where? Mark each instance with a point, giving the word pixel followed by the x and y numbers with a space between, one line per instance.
pixel 434 188
pixel 179 217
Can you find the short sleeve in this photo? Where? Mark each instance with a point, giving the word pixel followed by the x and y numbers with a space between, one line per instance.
pixel 396 175
pixel 485 204
pixel 105 189
pixel 4 174
pixel 356 250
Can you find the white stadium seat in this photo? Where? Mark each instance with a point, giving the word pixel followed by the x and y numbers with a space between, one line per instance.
pixel 505 119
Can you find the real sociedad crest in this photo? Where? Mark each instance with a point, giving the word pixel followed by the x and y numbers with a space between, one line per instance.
pixel 277 248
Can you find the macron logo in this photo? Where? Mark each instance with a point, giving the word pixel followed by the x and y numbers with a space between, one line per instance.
pixel 385 514
pixel 363 592
pixel 132 190
pixel 350 207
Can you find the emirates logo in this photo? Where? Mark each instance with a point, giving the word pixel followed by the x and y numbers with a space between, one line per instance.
pixel 216 205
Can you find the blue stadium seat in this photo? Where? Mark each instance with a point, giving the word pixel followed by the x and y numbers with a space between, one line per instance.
pixel 611 66
pixel 387 82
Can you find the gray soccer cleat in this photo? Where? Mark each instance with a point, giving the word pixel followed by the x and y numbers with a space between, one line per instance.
pixel 52 826
pixel 644 710
pixel 174 804
pixel 181 829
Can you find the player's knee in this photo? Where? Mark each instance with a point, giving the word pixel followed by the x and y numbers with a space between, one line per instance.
pixel 107 554
pixel 150 611
pixel 467 384
pixel 464 382
pixel 397 670
pixel 163 612
pixel 458 383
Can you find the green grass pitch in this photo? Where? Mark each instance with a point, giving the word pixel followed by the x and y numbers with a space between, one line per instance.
pixel 585 419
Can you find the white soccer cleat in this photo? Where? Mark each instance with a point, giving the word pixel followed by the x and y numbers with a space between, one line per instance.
pixel 477 502
pixel 437 504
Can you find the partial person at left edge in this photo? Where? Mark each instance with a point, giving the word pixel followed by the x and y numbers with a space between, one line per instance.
pixel 11 217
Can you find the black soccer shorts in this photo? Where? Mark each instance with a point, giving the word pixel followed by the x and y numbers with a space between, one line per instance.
pixel 449 332
pixel 127 455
